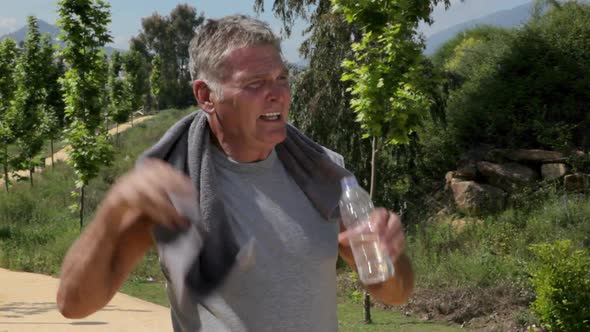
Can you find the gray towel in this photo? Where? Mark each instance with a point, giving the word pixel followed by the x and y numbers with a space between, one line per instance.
pixel 187 147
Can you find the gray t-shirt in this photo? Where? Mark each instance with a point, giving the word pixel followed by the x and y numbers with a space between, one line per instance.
pixel 288 281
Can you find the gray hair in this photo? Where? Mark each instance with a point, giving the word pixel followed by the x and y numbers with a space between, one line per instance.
pixel 216 38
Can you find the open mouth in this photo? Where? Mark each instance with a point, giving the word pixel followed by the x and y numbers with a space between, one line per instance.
pixel 271 116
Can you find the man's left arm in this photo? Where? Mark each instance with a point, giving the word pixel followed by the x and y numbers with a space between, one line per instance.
pixel 399 288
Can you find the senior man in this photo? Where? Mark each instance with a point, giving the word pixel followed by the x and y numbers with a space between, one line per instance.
pixel 241 206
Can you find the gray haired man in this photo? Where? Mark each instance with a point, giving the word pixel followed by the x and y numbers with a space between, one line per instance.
pixel 255 247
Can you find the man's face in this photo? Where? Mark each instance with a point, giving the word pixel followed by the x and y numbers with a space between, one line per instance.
pixel 254 107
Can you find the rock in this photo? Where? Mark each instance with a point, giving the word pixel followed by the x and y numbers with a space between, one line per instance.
pixel 576 182
pixel 472 197
pixel 444 308
pixel 449 176
pixel 553 171
pixel 449 179
pixel 509 176
pixel 467 172
pixel 534 155
pixel 578 153
pixel 427 316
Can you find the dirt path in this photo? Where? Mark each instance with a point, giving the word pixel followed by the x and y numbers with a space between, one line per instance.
pixel 27 303
pixel 62 155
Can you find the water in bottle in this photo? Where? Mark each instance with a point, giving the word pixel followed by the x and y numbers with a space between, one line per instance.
pixel 373 265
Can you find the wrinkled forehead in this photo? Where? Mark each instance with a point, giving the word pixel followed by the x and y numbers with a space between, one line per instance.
pixel 246 61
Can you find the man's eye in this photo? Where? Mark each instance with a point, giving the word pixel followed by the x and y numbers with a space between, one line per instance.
pixel 255 84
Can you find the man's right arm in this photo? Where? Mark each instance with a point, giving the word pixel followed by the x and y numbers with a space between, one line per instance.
pixel 100 260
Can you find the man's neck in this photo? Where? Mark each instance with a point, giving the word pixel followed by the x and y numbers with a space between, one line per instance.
pixel 239 152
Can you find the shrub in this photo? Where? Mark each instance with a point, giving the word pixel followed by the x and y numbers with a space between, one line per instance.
pixel 526 89
pixel 561 277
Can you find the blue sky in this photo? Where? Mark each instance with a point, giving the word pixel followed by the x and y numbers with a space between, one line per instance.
pixel 126 15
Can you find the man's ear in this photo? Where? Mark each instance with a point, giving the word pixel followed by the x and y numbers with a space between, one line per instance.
pixel 203 96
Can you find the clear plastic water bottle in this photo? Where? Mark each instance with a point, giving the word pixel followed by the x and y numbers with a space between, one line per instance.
pixel 373 265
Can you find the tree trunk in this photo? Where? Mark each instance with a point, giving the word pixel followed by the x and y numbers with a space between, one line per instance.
pixel 368 319
pixel 31 175
pixel 131 119
pixel 6 166
pixel 51 143
pixel 82 207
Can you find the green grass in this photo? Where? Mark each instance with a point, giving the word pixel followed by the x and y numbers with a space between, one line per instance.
pixel 497 248
pixel 485 267
pixel 351 319
pixel 154 292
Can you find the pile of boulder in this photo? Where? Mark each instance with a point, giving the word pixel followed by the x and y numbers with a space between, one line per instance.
pixel 486 178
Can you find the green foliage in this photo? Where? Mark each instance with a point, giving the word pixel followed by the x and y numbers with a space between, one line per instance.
pixel 8 56
pixel 526 88
pixel 561 276
pixel 53 113
pixel 119 108
pixel 36 227
pixel 580 163
pixel 29 104
pixel 156 79
pixel 135 78
pixel 34 234
pixel 169 37
pixel 478 35
pixel 84 23
pixel 385 69
pixel 492 257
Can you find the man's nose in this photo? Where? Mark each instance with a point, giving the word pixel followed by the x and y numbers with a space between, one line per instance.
pixel 277 91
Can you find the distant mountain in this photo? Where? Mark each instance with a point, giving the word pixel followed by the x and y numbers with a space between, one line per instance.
pixel 44 27
pixel 506 18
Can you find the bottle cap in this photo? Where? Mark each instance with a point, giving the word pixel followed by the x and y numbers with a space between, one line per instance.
pixel 349 181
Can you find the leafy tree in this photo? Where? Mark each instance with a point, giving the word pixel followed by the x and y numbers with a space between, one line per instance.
pixel 541 5
pixel 169 37
pixel 103 68
pixel 84 24
pixel 136 80
pixel 53 121
pixel 119 107
pixel 527 91
pixel 8 56
pixel 385 71
pixel 478 35
pixel 29 103
pixel 156 80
